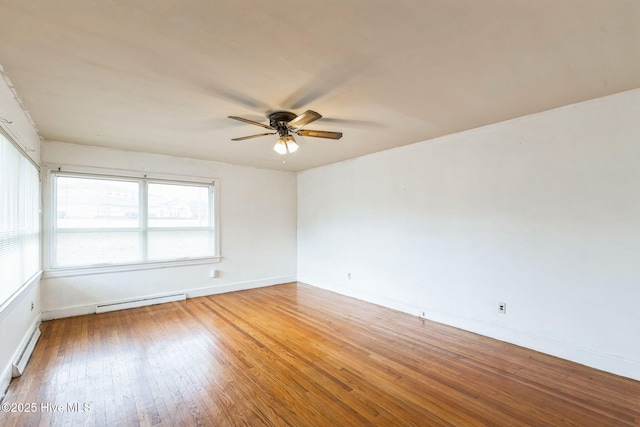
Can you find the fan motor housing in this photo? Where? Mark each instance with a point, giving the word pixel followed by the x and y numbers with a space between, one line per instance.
pixel 281 118
pixel 285 123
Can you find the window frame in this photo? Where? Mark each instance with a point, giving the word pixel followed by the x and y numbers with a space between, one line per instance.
pixel 144 179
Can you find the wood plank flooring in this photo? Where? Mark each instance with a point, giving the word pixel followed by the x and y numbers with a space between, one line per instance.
pixel 294 355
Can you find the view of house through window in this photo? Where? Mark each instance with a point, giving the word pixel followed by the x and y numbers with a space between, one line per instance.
pixel 110 221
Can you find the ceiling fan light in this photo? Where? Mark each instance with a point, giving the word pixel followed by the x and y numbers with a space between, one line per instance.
pixel 291 143
pixel 281 146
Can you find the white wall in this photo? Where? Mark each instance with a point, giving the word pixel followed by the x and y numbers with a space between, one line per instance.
pixel 17 318
pixel 541 212
pixel 258 233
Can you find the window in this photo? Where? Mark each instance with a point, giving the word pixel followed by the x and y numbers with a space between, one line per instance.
pixel 19 219
pixel 109 221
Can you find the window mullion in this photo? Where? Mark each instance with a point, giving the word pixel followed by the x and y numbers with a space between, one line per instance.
pixel 170 223
pixel 213 219
pixel 144 218
pixel 52 238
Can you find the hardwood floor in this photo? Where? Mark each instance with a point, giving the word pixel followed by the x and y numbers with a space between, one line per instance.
pixel 299 356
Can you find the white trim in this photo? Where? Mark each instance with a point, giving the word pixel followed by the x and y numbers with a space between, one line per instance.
pixel 78 310
pixel 5 379
pixel 126 173
pixel 106 269
pixel 584 356
pixel 25 349
pixel 605 362
pixel 140 302
pixel 81 310
pixel 7 373
pixel 240 286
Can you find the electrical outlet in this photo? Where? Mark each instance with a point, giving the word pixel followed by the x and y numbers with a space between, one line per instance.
pixel 32 306
pixel 349 276
pixel 502 307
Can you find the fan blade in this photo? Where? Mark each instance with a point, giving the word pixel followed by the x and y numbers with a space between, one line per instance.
pixel 253 136
pixel 304 119
pixel 251 122
pixel 320 134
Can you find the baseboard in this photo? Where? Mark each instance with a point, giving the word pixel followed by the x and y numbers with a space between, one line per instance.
pixel 81 310
pixel 7 372
pixel 5 379
pixel 140 302
pixel 363 296
pixel 25 349
pixel 597 360
pixel 240 286
pixel 584 356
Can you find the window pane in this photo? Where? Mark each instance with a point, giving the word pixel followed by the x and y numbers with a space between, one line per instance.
pixel 97 247
pixel 101 221
pixel 96 203
pixel 174 205
pixel 180 244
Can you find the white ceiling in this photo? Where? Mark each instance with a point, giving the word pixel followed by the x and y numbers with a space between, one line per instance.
pixel 162 76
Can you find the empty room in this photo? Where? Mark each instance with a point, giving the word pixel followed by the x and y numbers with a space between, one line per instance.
pixel 333 213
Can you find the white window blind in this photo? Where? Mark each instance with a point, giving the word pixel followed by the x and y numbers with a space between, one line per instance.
pixel 19 219
pixel 106 221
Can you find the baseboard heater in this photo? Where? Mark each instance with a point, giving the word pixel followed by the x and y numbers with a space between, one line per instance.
pixel 21 361
pixel 140 302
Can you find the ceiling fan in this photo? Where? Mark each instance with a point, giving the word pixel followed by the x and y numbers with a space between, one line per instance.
pixel 286 123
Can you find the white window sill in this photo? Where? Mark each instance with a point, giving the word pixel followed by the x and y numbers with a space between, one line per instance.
pixel 106 269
